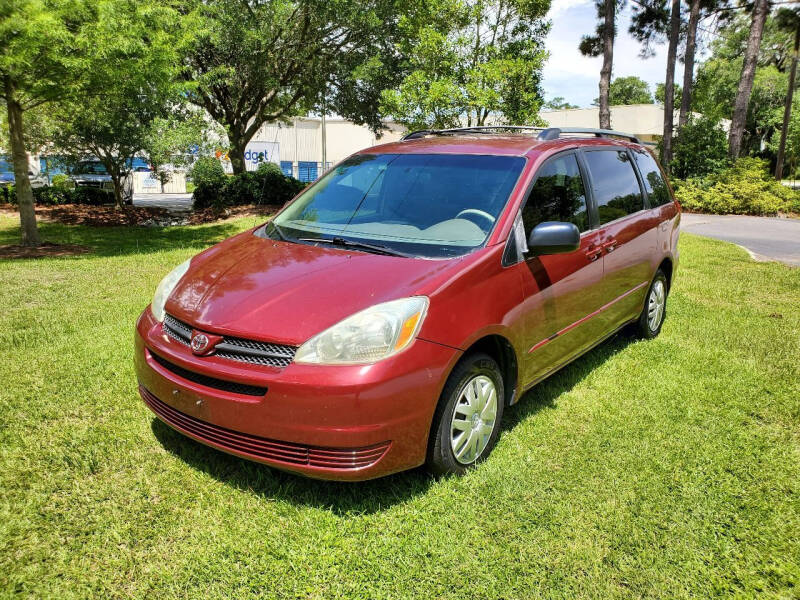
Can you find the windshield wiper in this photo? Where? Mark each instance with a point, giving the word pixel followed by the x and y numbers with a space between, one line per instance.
pixel 340 241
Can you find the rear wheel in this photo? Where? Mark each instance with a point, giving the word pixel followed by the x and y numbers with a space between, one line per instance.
pixel 655 307
pixel 466 424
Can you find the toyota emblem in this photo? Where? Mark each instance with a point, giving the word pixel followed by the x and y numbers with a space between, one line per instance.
pixel 199 343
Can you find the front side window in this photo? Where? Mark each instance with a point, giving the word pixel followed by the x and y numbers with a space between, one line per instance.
pixel 557 195
pixel 432 205
pixel 614 183
pixel 654 182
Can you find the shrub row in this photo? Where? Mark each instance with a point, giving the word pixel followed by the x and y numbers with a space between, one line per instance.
pixel 746 188
pixel 51 195
pixel 266 185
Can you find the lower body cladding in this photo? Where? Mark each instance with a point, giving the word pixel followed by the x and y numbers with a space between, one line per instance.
pixel 347 422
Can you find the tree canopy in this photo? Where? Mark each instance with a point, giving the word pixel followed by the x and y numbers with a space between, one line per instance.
pixel 250 63
pixel 718 79
pixel 484 59
pixel 628 90
pixel 131 83
pixel 42 59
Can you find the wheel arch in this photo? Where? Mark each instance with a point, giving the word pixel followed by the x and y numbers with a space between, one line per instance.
pixel 666 267
pixel 502 351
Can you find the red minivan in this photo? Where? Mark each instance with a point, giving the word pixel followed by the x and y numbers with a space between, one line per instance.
pixel 385 317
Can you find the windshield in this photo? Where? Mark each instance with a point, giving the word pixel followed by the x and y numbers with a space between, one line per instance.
pixel 6 166
pixel 433 205
pixel 93 168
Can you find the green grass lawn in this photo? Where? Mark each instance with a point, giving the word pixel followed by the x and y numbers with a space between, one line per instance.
pixel 668 468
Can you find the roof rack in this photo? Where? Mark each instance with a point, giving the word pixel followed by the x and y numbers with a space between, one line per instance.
pixel 553 133
pixel 545 133
pixel 476 129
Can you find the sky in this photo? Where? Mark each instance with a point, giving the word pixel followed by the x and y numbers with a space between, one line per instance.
pixel 575 77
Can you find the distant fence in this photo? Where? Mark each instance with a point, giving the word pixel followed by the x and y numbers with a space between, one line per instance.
pixel 148 183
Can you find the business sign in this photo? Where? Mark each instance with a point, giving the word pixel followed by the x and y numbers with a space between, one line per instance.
pixel 255 153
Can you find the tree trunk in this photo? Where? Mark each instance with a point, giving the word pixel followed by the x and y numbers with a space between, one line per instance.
pixel 609 25
pixel 116 179
pixel 22 185
pixel 688 63
pixel 739 118
pixel 669 83
pixel 236 152
pixel 787 109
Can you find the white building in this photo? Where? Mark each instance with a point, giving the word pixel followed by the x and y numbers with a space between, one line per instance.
pixel 645 121
pixel 302 151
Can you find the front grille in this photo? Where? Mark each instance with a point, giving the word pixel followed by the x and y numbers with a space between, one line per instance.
pixel 263 448
pixel 234 348
pixel 212 382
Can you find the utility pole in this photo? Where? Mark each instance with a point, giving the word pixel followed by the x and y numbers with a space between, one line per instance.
pixel 324 137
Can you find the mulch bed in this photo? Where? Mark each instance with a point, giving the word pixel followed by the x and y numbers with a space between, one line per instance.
pixel 46 249
pixel 99 216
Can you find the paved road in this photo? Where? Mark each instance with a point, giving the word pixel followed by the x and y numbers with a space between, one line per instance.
pixel 767 238
pixel 172 202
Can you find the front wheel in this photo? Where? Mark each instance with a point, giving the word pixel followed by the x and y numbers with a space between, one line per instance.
pixel 466 424
pixel 655 307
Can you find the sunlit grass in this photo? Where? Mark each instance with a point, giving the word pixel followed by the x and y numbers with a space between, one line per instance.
pixel 668 468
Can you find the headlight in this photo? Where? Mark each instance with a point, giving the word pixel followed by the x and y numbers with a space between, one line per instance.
pixel 165 288
pixel 368 336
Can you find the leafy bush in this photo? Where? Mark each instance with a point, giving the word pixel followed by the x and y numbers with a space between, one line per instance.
pixel 746 188
pixel 208 178
pixel 90 195
pixel 700 148
pixel 51 195
pixel 62 181
pixel 266 185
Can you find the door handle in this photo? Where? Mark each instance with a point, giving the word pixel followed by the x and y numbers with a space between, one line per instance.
pixel 593 253
pixel 610 245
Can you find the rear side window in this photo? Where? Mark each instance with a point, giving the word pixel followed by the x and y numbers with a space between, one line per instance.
pixel 557 195
pixel 614 183
pixel 653 180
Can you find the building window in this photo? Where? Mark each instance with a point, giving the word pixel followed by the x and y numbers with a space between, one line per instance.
pixel 286 167
pixel 306 171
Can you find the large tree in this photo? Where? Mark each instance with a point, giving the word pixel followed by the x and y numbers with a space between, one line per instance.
pixel 628 90
pixel 669 81
pixel 602 43
pixel 484 61
pixel 132 82
pixel 718 79
pixel 738 120
pixel 42 59
pixel 253 62
pixel 788 19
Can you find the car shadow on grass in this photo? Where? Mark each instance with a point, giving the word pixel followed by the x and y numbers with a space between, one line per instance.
pixel 350 499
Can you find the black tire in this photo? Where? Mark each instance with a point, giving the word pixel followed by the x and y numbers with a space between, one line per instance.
pixel 441 458
pixel 643 328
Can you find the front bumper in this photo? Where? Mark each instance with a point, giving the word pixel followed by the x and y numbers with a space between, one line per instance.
pixel 348 422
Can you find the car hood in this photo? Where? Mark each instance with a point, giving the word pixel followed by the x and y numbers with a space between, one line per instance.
pixel 249 286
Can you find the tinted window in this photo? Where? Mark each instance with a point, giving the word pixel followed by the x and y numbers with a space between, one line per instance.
pixel 426 204
pixel 616 189
pixel 557 195
pixel 653 180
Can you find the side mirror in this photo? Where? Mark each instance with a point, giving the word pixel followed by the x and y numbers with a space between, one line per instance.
pixel 554 237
